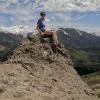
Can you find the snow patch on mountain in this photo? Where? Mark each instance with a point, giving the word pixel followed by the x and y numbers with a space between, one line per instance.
pixel 20 29
pixel 79 32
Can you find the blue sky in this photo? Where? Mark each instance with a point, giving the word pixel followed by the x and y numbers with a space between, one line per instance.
pixel 81 14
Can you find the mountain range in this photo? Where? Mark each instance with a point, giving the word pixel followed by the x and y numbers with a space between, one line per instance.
pixel 84 49
pixel 8 42
pixel 36 72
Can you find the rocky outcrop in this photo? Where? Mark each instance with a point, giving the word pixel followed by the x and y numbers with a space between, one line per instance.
pixel 38 72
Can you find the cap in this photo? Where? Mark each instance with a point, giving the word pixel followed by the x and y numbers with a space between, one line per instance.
pixel 42 13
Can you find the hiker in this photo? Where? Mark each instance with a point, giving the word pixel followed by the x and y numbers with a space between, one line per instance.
pixel 42 30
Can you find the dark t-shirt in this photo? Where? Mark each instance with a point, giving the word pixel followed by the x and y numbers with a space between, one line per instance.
pixel 41 25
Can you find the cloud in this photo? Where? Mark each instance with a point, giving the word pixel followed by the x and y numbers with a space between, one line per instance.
pixel 60 12
pixel 66 5
pixel 54 5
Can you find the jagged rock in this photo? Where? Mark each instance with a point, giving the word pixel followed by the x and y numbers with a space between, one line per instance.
pixel 35 72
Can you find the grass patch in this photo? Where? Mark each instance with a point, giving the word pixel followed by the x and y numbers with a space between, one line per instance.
pixel 98 95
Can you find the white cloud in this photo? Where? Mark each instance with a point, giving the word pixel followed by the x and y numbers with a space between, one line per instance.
pixel 25 10
pixel 65 5
pixel 26 6
pixel 55 5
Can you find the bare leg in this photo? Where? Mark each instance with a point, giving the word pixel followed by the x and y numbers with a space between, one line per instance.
pixel 56 37
pixel 53 34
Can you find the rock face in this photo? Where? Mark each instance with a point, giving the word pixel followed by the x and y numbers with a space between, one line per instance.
pixel 36 72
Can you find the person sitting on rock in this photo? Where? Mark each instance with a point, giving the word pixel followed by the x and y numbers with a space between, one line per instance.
pixel 42 30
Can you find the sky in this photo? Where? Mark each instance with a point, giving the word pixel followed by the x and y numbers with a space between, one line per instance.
pixel 80 14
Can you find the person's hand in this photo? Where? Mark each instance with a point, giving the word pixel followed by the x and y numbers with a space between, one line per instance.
pixel 41 33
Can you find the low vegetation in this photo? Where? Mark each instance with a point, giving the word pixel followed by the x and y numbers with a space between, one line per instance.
pixel 86 62
pixel 93 80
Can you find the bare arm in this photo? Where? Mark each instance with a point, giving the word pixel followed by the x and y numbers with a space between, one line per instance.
pixel 40 32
